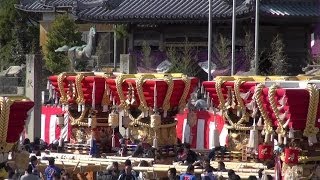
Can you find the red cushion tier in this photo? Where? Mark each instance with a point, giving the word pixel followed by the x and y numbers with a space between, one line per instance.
pixel 18 115
pixel 87 88
pixel 148 90
pixel 210 87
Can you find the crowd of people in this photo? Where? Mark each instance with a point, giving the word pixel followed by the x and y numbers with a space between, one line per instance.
pixel 184 156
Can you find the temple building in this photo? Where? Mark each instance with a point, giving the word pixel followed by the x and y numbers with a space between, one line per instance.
pixel 175 23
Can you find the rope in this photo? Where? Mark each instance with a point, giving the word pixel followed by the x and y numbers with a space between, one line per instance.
pixel 80 99
pixel 245 116
pixel 271 96
pixel 166 102
pixel 187 86
pixel 257 97
pixel 310 129
pixel 235 126
pixel 139 84
pixel 77 121
pixel 222 101
pixel 119 81
pixel 63 98
pixel 5 104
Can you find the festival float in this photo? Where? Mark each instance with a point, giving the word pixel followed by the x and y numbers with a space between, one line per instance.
pixel 144 104
pixel 270 119
pixel 13 114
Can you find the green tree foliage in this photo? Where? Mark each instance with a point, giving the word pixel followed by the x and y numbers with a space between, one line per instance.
pixel 64 31
pixel 183 60
pixel 277 57
pixel 18 35
pixel 223 49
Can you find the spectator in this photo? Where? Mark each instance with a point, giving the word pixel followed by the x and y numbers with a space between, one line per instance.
pixel 269 177
pixel 114 172
pixel 207 167
pixel 127 174
pixel 252 178
pixel 212 153
pixel 260 173
pixel 34 164
pixel 189 175
pixel 221 167
pixel 65 176
pixel 172 174
pixel 28 175
pixel 190 156
pixel 51 171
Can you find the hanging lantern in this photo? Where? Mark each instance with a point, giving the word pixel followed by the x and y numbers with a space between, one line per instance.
pixel 265 151
pixel 291 155
pixel 113 119
pixel 60 120
pixel 192 118
pixel 155 120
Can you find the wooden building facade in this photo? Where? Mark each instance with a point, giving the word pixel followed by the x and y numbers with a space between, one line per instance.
pixel 166 23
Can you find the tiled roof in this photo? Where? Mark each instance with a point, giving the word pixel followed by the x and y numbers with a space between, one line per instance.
pixel 307 8
pixel 171 10
pixel 162 10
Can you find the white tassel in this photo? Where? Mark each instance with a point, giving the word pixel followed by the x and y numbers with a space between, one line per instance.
pixel 42 97
pixel 66 108
pixel 280 139
pixel 291 133
pixel 215 139
pixel 48 85
pixel 263 133
pixel 155 143
pixel 60 142
pixel 239 112
pixel 83 107
pixel 272 137
pixel 79 108
pixel 253 139
pixel 259 121
pixel 89 122
pixel 266 137
pixel 285 140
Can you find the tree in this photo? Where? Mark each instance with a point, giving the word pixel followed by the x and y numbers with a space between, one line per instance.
pixel 64 31
pixel 183 60
pixel 17 34
pixel 223 49
pixel 249 49
pixel 277 57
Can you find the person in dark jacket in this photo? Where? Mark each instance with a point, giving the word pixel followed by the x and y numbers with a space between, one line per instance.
pixel 190 156
pixel 172 174
pixel 128 172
